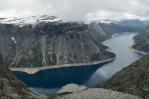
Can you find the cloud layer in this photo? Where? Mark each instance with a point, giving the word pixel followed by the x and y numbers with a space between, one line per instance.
pixel 77 10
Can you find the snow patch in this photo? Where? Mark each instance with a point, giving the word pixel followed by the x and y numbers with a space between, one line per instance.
pixel 33 20
pixel 13 39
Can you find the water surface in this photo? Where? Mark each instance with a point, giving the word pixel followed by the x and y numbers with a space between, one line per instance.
pixel 51 80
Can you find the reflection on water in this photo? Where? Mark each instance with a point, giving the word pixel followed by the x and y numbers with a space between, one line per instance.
pixel 50 81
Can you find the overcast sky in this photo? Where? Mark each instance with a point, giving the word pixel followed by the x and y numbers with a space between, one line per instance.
pixel 79 10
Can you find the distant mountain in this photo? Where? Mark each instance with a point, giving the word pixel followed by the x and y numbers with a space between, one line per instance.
pixel 127 22
pixel 131 22
pixel 112 28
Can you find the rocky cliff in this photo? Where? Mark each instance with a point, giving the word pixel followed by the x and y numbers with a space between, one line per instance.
pixel 51 43
pixel 12 88
pixel 133 79
pixel 55 43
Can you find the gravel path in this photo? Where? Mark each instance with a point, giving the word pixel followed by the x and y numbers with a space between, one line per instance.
pixel 98 93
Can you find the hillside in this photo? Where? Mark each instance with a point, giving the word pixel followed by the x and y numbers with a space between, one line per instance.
pixel 12 88
pixel 142 41
pixel 133 79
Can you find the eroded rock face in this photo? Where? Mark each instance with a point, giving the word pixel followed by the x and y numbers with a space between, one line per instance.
pixel 49 44
pixel 12 88
pixel 133 79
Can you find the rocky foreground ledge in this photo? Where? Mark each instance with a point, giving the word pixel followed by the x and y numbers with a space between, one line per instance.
pixel 72 88
pixel 98 93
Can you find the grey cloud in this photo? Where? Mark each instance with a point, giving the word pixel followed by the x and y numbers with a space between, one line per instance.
pixel 77 10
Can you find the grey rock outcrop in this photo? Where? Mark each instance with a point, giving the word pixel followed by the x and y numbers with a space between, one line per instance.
pixel 96 31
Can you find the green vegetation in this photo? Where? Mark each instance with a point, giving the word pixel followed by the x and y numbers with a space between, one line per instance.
pixel 22 85
pixel 74 28
pixel 95 57
pixel 29 29
pixel 3 96
pixel 12 83
pixel 14 47
pixel 75 57
pixel 35 61
pixel 48 42
pixel 52 60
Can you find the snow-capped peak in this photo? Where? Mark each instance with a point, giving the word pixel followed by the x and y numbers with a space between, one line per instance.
pixel 21 21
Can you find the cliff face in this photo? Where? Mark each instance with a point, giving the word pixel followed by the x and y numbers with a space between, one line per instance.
pixel 51 43
pixel 133 79
pixel 142 41
pixel 55 43
pixel 12 88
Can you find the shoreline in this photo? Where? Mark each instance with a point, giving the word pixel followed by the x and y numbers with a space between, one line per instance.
pixel 135 50
pixel 36 69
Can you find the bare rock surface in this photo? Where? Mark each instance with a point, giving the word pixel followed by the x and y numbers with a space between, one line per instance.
pixel 98 93
pixel 72 88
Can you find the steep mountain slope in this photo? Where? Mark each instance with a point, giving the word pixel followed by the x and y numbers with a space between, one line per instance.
pixel 48 41
pixel 133 79
pixel 12 88
pixel 142 41
pixel 48 44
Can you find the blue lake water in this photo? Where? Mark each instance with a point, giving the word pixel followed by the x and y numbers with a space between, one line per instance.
pixel 51 80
